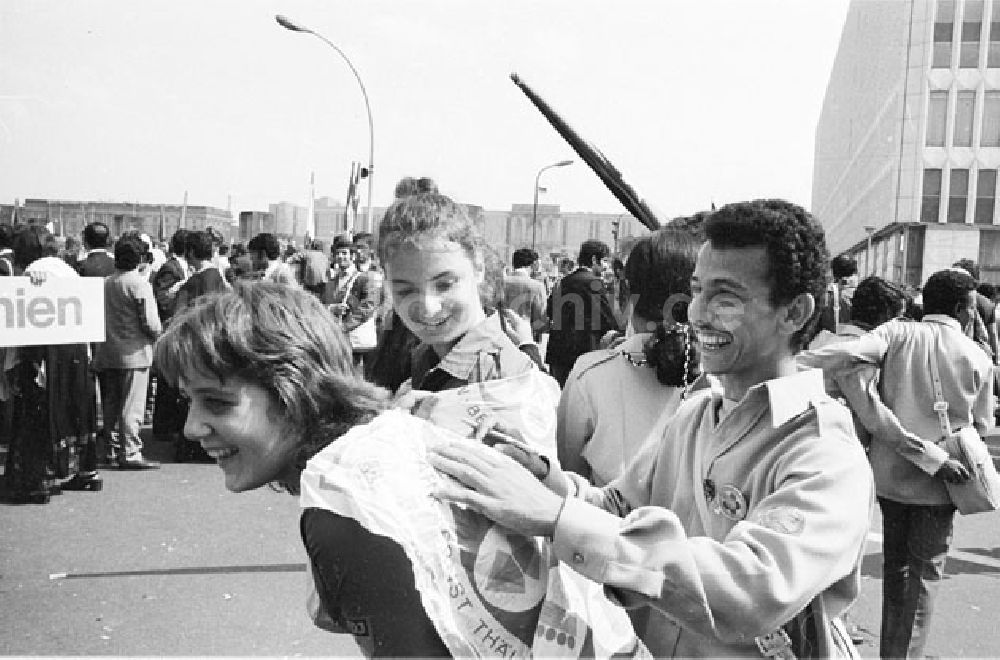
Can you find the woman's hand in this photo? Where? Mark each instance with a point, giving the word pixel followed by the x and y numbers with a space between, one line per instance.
pixel 37 277
pixel 518 329
pixel 612 339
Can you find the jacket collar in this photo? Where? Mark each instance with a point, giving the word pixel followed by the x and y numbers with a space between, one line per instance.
pixel 486 337
pixel 787 396
pixel 943 319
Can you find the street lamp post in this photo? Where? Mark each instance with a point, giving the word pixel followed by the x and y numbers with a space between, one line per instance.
pixel 534 206
pixel 869 229
pixel 295 27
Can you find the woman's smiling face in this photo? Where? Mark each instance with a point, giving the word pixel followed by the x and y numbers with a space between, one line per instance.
pixel 240 425
pixel 435 291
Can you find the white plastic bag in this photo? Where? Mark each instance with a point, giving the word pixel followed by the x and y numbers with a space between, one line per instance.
pixel 526 402
pixel 489 591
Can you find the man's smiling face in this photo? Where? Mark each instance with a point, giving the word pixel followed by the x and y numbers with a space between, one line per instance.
pixel 738 329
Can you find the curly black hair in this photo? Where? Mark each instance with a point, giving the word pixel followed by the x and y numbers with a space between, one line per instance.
pixel 969 266
pixel 798 259
pixel 946 290
pixel 876 301
pixel 843 266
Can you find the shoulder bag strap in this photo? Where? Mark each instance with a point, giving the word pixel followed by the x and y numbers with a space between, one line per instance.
pixel 344 292
pixel 940 405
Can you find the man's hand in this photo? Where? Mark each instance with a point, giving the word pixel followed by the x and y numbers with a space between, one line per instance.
pixel 494 485
pixel 510 442
pixel 953 472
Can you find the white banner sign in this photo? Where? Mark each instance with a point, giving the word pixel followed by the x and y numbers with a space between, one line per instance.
pixel 62 310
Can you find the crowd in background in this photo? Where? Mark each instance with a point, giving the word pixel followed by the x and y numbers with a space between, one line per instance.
pixel 612 330
pixel 67 410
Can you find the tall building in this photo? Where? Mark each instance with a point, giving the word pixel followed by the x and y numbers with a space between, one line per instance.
pixel 908 140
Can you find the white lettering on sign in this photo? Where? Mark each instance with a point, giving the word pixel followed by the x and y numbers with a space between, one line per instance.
pixel 58 311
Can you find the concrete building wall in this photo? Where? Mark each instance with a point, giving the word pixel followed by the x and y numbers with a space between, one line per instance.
pixel 905 136
pixel 858 136
pixel 946 244
pixel 69 217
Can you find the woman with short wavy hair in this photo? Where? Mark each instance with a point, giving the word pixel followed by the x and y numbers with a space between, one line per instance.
pixel 273 353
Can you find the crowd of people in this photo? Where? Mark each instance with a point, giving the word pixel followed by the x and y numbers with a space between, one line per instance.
pixel 733 405
pixel 55 438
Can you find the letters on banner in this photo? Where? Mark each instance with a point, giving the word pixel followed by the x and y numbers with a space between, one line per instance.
pixel 58 311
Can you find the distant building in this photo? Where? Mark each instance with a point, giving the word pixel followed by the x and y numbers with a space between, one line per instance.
pixel 558 234
pixel 68 218
pixel 253 223
pixel 908 140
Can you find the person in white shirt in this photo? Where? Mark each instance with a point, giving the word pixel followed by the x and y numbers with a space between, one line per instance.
pixel 266 254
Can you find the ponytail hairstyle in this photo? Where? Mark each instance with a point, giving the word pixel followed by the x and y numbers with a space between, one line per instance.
pixel 658 271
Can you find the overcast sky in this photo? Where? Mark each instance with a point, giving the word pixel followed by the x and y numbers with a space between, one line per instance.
pixel 694 101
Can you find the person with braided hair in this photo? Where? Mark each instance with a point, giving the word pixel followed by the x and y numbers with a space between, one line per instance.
pixel 614 396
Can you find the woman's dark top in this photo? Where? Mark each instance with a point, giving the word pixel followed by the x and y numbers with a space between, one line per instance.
pixel 365 581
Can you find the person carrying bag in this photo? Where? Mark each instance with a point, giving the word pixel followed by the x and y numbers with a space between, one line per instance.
pixel 352 297
pixel 981 492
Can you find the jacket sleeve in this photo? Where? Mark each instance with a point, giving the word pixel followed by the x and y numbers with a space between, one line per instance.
pixel 808 533
pixel 859 385
pixel 149 318
pixel 870 348
pixel 983 408
pixel 609 321
pixel 539 317
pixel 362 301
pixel 574 426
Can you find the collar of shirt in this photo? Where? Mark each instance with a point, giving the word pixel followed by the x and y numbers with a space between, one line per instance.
pixel 96 250
pixel 943 319
pixel 463 357
pixel 786 396
pixel 272 266
pixel 339 274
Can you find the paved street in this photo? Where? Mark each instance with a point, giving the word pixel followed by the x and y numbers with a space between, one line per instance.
pixel 170 563
pixel 165 562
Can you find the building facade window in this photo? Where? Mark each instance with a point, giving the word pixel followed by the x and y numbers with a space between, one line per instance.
pixel 937 119
pixel 991 118
pixel 958 196
pixel 972 27
pixel 944 26
pixel 993 52
pixel 986 188
pixel 930 206
pixel 965 112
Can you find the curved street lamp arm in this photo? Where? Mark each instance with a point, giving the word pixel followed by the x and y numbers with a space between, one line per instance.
pixel 295 27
